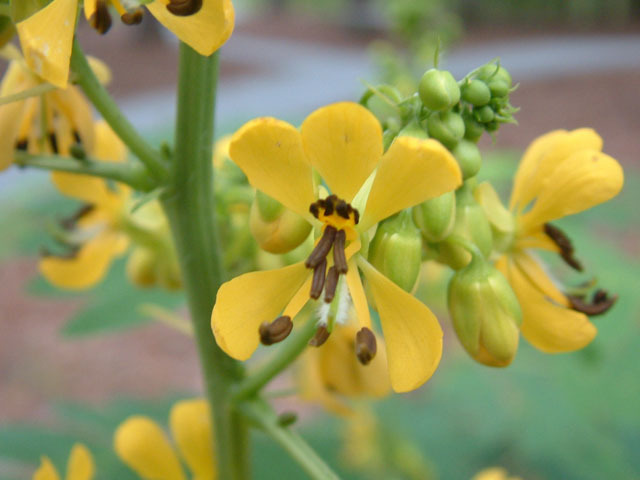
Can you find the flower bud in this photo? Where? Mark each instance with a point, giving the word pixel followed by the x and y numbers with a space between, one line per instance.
pixel 382 102
pixel 468 156
pixel 447 127
pixel 473 129
pixel 484 114
pixel 275 228
pixel 436 217
pixel 499 88
pixel 471 224
pixel 413 129
pixel 141 267
pixel 396 250
pixel 476 92
pixel 438 90
pixel 492 72
pixel 485 312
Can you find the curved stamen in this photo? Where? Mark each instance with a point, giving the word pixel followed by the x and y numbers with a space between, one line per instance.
pixel 275 331
pixel 366 345
pixel 184 8
pixel 322 248
pixel 339 258
pixel 564 244
pixel 100 20
pixel 132 18
pixel 317 284
pixel 601 302
pixel 321 336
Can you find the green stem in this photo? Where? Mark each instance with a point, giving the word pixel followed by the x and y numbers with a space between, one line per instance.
pixel 260 413
pixel 287 353
pixel 468 245
pixel 114 117
pixel 190 208
pixel 133 174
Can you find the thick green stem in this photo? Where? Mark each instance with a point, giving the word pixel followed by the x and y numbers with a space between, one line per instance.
pixel 264 418
pixel 103 102
pixel 287 353
pixel 189 204
pixel 133 174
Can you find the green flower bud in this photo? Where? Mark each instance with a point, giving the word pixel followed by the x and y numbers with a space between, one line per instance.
pixel 275 228
pixel 7 30
pixel 396 250
pixel 438 90
pixel 383 103
pixel 468 156
pixel 473 129
pixel 436 217
pixel 413 129
pixel 492 72
pixel 447 127
pixel 484 114
pixel 499 88
pixel 476 92
pixel 471 224
pixel 485 312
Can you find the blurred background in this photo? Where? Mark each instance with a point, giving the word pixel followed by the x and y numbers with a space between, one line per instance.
pixel 73 365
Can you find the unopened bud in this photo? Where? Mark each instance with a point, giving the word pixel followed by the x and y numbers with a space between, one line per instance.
pixel 446 127
pixel 485 312
pixel 366 346
pixel 275 331
pixel 396 250
pixel 141 267
pixel 436 217
pixel 413 129
pixel 382 102
pixel 484 114
pixel 438 90
pixel 275 228
pixel 468 156
pixel 476 92
pixel 473 129
pixel 494 73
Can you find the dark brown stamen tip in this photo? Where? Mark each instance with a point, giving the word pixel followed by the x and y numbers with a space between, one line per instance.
pixel 22 144
pixel 184 8
pixel 317 284
pixel 322 248
pixel 366 345
pixel 331 284
pixel 339 258
pixel 564 244
pixel 100 20
pixel 69 223
pixel 132 18
pixel 70 254
pixel 321 336
pixel 601 302
pixel 54 142
pixel 275 331
pixel 76 136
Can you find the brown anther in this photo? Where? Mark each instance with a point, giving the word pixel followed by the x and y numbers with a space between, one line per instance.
pixel 70 254
pixel 22 144
pixel 317 284
pixel 322 248
pixel 133 17
pixel 321 336
pixel 275 331
pixel 339 258
pixel 564 244
pixel 366 345
pixel 54 142
pixel 600 303
pixel 184 8
pixel 76 136
pixel 69 223
pixel 331 284
pixel 100 20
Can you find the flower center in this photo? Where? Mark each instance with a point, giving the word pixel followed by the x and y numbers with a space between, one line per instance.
pixel 339 220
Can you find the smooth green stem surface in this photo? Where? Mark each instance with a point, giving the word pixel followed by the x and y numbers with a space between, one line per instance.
pixel 287 353
pixel 261 414
pixel 103 102
pixel 132 174
pixel 190 208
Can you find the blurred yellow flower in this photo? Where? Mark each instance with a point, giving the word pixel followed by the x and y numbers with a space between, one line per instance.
pixel 47 35
pixel 343 143
pixel 143 445
pixel 79 467
pixel 494 473
pixel 561 173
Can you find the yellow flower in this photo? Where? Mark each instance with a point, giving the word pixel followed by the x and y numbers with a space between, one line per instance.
pixel 47 123
pixel 143 445
pixel 494 473
pixel 98 227
pixel 79 467
pixel 561 173
pixel 332 372
pixel 47 35
pixel 343 143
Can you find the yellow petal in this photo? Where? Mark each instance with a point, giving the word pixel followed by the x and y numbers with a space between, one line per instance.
pixel 80 466
pixel 46 471
pixel 86 188
pixel 587 178
pixel 412 171
pixel 144 447
pixel 270 153
pixel 87 267
pixel 343 142
pixel 411 331
pixel 246 301
pixel 358 296
pixel 190 423
pixel 10 116
pixel 543 156
pixel 108 146
pixel 547 325
pixel 46 39
pixel 77 109
pixel 497 214
pixel 205 31
pixel 536 239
